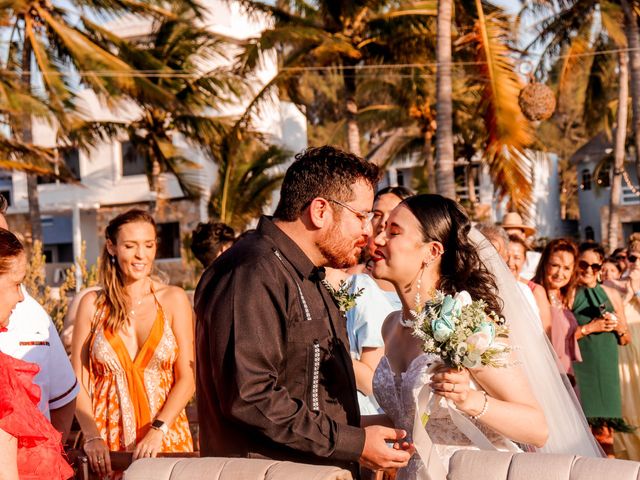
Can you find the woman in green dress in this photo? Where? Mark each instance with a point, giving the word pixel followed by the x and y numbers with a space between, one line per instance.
pixel 601 326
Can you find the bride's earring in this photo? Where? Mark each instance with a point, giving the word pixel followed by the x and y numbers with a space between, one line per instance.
pixel 418 298
pixel 418 312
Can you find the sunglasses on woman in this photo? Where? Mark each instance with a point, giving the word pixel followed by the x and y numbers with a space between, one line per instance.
pixel 632 258
pixel 596 267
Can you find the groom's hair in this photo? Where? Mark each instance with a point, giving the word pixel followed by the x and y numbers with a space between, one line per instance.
pixel 326 172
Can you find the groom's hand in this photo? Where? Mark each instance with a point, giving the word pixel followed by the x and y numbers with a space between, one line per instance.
pixel 377 455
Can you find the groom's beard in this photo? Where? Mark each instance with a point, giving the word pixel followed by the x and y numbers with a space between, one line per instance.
pixel 339 251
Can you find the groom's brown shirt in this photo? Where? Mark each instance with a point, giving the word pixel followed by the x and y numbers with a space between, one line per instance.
pixel 274 375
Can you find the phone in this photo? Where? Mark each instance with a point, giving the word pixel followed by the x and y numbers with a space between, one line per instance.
pixel 603 309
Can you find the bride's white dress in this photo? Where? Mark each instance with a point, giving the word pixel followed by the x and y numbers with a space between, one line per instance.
pixel 397 396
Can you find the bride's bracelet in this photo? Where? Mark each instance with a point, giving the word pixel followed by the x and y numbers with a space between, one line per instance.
pixel 485 407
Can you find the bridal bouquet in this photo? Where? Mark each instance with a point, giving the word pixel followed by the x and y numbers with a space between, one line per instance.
pixel 461 332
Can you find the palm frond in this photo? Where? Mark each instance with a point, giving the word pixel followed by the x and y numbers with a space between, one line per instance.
pixel 250 170
pixel 187 172
pixel 507 131
pixel 612 18
pixel 395 143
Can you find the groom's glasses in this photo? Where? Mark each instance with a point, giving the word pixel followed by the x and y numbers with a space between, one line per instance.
pixel 584 266
pixel 365 217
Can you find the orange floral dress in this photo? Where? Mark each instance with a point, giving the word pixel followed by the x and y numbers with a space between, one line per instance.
pixel 128 394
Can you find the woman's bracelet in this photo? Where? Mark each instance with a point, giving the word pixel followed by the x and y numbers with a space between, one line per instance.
pixel 583 331
pixel 88 440
pixel 485 407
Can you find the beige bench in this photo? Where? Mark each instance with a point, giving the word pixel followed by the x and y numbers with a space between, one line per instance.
pixel 477 465
pixel 218 468
pixel 464 465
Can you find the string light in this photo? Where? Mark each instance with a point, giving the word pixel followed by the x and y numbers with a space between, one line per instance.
pixel 635 190
pixel 340 68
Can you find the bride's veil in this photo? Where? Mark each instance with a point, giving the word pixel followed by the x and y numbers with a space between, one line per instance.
pixel 568 429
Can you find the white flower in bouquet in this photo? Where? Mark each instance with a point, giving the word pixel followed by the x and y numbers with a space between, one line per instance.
pixel 460 331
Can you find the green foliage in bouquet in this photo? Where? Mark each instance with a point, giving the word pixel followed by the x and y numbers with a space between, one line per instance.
pixel 461 332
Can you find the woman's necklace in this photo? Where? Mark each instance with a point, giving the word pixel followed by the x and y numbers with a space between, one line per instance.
pixel 417 314
pixel 132 311
pixel 556 301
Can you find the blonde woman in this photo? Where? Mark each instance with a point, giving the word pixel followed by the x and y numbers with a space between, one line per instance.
pixel 133 351
pixel 627 445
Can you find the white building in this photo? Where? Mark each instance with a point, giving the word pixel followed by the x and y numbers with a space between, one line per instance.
pixel 593 166
pixel 112 178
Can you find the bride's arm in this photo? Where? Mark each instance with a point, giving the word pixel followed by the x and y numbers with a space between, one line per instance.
pixel 511 409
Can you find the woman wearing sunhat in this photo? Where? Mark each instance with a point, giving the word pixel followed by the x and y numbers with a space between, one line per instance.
pixel 514 225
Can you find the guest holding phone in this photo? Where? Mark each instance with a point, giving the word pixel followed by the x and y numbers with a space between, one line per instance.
pixel 601 326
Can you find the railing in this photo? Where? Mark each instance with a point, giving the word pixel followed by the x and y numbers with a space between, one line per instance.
pixel 628 197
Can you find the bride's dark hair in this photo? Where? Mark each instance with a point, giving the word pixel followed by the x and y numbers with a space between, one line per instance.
pixel 443 220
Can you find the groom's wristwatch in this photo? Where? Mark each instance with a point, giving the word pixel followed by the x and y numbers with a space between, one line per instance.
pixel 160 425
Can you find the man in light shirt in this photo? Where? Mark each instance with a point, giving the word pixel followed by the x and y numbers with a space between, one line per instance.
pixel 32 337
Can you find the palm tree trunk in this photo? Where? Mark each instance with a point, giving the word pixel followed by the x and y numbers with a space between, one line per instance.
pixel 619 152
pixel 353 131
pixel 445 179
pixel 471 184
pixel 429 164
pixel 633 41
pixel 27 137
pixel 154 185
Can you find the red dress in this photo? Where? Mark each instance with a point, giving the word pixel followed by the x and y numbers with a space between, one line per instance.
pixel 39 444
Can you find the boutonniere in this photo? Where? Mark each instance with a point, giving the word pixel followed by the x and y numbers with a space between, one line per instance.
pixel 345 299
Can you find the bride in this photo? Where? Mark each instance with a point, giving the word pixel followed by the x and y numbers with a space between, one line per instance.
pixel 426 246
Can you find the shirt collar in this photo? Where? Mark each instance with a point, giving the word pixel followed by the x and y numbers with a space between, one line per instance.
pixel 290 250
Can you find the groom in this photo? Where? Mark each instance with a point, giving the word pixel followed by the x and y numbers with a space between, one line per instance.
pixel 275 379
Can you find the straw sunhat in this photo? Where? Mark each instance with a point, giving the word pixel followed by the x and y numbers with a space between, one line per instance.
pixel 513 220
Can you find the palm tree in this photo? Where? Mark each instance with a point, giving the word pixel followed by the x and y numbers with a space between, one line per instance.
pixel 250 171
pixel 346 35
pixel 576 37
pixel 619 151
pixel 444 118
pixel 503 134
pixel 176 49
pixel 47 43
pixel 633 40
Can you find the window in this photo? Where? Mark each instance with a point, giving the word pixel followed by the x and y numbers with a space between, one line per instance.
pixel 7 196
pixel 589 233
pixel 71 158
pixel 133 163
pixel 58 253
pixel 604 175
pixel 72 161
pixel 168 240
pixel 6 187
pixel 44 179
pixel 57 238
pixel 586 179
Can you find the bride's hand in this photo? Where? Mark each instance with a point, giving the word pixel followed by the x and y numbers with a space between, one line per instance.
pixel 452 384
